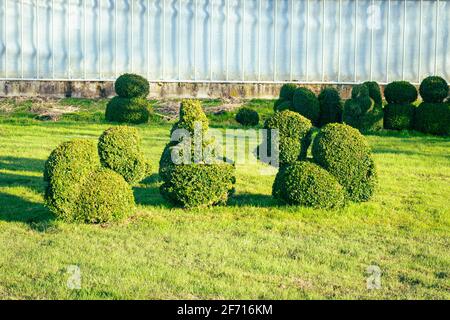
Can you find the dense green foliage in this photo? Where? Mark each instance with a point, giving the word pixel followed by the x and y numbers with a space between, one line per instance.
pixel 191 113
pixel 124 110
pixel 374 92
pixel 282 105
pixel 132 86
pixel 120 150
pixel 307 184
pixel 399 116
pixel 247 117
pixel 331 106
pixel 400 92
pixel 434 89
pixel 287 91
pixel 433 118
pixel 344 152
pixel 306 104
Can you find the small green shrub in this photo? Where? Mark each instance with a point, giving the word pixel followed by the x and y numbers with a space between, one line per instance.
pixel 306 104
pixel 287 91
pixel 124 110
pixel 344 152
pixel 247 117
pixel 105 196
pixel 374 92
pixel 282 105
pixel 399 116
pixel 331 106
pixel 191 112
pixel 433 89
pixel 294 135
pixel 400 92
pixel 306 184
pixel 119 149
pixel 132 86
pixel 433 118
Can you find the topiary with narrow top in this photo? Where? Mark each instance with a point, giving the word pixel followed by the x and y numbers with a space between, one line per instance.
pixel 306 104
pixel 331 106
pixel 132 86
pixel 434 89
pixel 374 92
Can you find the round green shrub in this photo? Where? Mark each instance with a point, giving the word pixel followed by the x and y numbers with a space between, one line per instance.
pixel 306 104
pixel 294 135
pixel 247 117
pixel 374 92
pixel 400 92
pixel 330 106
pixel 191 112
pixel 198 185
pixel 344 152
pixel 433 89
pixel 287 91
pixel 132 86
pixel 124 110
pixel 119 149
pixel 282 105
pixel 65 171
pixel 105 196
pixel 306 184
pixel 433 118
pixel 399 116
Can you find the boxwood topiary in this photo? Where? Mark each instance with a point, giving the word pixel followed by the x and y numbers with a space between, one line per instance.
pixel 306 104
pixel 191 112
pixel 344 152
pixel 374 92
pixel 105 196
pixel 433 118
pixel 287 91
pixel 400 92
pixel 65 170
pixel 433 89
pixel 306 184
pixel 331 106
pixel 294 135
pixel 124 110
pixel 119 149
pixel 247 117
pixel 399 116
pixel 132 86
pixel 284 105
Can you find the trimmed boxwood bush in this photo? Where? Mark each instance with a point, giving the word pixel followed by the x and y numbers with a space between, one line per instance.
pixel 306 104
pixel 119 149
pixel 433 118
pixel 65 171
pixel 331 106
pixel 400 92
pixel 191 112
pixel 132 86
pixel 374 92
pixel 399 116
pixel 344 152
pixel 433 89
pixel 282 105
pixel 287 91
pixel 124 110
pixel 294 135
pixel 247 117
pixel 361 112
pixel 306 184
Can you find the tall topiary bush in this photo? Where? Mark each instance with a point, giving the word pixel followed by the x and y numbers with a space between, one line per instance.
pixel 399 112
pixel 331 106
pixel 306 104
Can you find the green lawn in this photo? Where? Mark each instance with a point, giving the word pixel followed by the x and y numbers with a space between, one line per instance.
pixel 252 249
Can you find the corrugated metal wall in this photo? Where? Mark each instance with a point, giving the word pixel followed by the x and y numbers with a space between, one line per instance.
pixel 343 41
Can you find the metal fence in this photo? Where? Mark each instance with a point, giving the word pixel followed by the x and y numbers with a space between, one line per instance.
pixel 313 41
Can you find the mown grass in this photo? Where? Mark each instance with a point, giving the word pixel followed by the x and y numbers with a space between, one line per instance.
pixel 254 248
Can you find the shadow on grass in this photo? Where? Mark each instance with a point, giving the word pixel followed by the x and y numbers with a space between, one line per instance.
pixel 147 193
pixel 21 164
pixel 252 200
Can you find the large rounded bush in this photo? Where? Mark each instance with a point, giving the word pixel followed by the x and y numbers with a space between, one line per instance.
pixel 306 184
pixel 65 170
pixel 119 149
pixel 247 117
pixel 132 86
pixel 330 106
pixel 399 116
pixel 344 152
pixel 105 196
pixel 294 135
pixel 400 92
pixel 124 110
pixel 433 118
pixel 287 91
pixel 198 185
pixel 374 92
pixel 433 89
pixel 306 104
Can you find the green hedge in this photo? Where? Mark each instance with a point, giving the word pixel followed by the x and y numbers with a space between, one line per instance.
pixel 124 110
pixel 132 86
pixel 287 91
pixel 247 117
pixel 331 106
pixel 306 104
pixel 400 92
pixel 433 118
pixel 434 89
pixel 399 116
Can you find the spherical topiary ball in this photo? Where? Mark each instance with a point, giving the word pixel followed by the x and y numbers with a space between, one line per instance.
pixel 119 149
pixel 247 117
pixel 307 184
pixel 65 171
pixel 306 103
pixel 433 89
pixel 132 86
pixel 399 116
pixel 433 118
pixel 124 110
pixel 105 196
pixel 400 92
pixel 330 106
pixel 344 152
pixel 287 91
